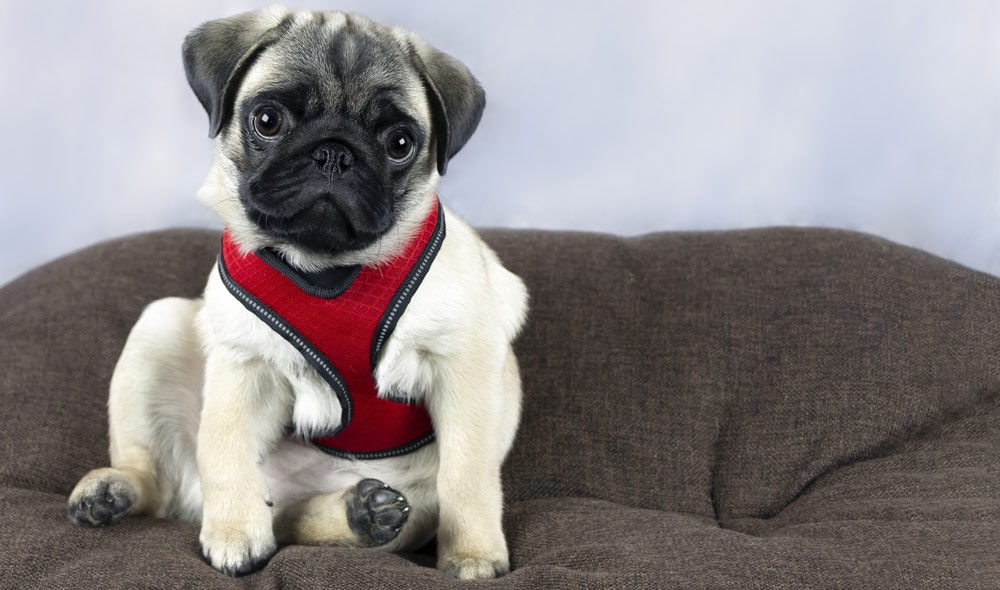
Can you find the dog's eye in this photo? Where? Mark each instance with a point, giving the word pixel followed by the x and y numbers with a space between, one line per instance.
pixel 267 122
pixel 399 145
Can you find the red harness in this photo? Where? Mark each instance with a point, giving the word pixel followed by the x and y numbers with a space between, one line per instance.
pixel 339 321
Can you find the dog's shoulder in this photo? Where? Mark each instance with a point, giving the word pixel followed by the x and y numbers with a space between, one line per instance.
pixel 468 304
pixel 505 291
pixel 225 322
pixel 468 289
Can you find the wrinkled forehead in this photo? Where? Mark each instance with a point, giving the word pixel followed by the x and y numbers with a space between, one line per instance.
pixel 340 63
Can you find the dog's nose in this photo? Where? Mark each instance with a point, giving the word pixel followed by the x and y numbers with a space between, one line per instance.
pixel 334 159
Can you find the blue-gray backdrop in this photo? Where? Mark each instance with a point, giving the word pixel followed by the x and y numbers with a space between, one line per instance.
pixel 626 117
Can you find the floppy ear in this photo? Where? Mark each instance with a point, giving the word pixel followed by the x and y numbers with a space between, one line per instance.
pixel 455 96
pixel 218 53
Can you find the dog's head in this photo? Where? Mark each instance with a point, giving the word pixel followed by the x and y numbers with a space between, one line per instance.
pixel 332 130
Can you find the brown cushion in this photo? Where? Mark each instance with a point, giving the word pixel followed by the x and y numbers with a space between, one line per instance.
pixel 778 408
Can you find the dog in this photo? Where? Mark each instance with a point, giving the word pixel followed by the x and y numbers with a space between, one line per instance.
pixel 347 377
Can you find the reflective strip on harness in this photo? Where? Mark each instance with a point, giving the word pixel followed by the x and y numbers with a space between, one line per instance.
pixel 340 332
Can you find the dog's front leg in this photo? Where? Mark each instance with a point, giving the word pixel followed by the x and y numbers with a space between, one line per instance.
pixel 246 406
pixel 469 424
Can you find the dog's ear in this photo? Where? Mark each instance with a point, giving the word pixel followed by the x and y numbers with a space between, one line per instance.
pixel 218 53
pixel 455 96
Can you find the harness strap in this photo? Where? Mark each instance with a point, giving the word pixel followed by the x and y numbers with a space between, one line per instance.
pixel 340 326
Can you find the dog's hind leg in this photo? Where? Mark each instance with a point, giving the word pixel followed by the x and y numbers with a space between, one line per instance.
pixel 369 514
pixel 153 410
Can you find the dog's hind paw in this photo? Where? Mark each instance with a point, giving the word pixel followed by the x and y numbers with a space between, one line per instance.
pixel 101 499
pixel 376 513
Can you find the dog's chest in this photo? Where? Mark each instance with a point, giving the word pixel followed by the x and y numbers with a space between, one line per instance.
pixel 401 368
pixel 339 322
pixel 320 408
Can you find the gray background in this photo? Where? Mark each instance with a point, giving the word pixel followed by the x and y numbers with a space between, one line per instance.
pixel 625 117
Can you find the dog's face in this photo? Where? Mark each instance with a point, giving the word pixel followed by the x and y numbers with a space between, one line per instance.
pixel 332 129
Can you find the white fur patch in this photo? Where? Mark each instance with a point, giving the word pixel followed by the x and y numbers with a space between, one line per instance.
pixel 317 409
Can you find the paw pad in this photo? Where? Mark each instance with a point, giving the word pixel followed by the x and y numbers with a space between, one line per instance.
pixel 106 504
pixel 376 512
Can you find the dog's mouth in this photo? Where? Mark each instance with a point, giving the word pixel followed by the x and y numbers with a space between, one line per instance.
pixel 326 225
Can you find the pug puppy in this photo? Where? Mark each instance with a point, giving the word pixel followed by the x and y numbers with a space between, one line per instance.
pixel 347 377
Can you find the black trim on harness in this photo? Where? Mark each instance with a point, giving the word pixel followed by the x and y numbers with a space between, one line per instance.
pixel 325 284
pixel 335 286
pixel 317 359
pixel 402 297
pixel 394 452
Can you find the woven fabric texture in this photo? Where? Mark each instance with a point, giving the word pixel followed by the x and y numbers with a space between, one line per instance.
pixel 780 408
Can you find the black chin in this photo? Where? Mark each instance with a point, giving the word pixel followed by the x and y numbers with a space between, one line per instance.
pixel 323 228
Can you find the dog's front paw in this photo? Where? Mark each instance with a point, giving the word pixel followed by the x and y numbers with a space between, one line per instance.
pixel 474 567
pixel 102 498
pixel 236 550
pixel 376 512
